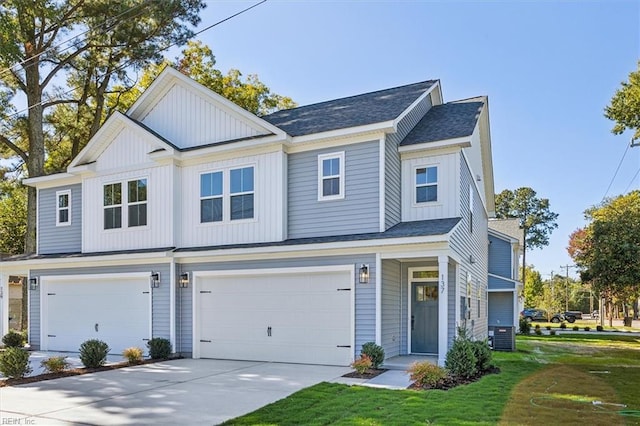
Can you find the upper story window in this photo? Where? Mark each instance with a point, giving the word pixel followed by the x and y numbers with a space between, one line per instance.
pixel 112 206
pixel 216 194
pixel 211 197
pixel 331 176
pixel 63 208
pixel 137 202
pixel 426 184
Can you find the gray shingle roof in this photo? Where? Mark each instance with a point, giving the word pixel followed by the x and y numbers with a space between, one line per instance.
pixel 447 121
pixel 360 110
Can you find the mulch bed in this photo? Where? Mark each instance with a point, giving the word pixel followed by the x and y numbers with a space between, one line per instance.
pixel 451 382
pixel 369 374
pixel 73 372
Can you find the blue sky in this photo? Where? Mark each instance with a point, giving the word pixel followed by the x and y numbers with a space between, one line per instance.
pixel 548 67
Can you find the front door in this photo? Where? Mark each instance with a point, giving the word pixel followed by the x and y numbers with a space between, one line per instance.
pixel 424 317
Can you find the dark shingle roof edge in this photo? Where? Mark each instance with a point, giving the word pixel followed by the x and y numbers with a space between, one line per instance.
pixel 421 228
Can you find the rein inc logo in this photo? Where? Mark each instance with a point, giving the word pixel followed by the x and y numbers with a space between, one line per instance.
pixel 16 421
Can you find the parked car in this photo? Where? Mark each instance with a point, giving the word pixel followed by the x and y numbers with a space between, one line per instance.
pixel 572 316
pixel 533 314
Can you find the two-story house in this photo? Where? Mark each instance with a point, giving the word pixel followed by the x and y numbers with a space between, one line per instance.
pixel 294 237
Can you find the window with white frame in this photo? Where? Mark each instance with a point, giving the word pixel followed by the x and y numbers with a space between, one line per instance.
pixel 241 193
pixel 426 181
pixel 63 208
pixel 211 197
pixel 331 176
pixel 112 196
pixel 137 202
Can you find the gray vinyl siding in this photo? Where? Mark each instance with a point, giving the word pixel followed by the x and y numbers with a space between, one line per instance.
pixel 357 212
pixel 496 283
pixel 451 305
pixel 501 308
pixel 365 306
pixel 160 312
pixel 59 239
pixel 465 244
pixel 393 192
pixel 499 257
pixel 391 311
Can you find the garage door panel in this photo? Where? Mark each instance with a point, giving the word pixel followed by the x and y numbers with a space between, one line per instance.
pixel 308 316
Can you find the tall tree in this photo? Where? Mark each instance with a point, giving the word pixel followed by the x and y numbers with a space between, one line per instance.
pixel 537 221
pixel 625 106
pixel 607 250
pixel 88 44
pixel 533 292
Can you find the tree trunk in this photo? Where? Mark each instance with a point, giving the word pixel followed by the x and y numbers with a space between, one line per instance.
pixel 524 258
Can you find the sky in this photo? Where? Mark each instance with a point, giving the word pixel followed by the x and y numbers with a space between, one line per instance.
pixel 549 69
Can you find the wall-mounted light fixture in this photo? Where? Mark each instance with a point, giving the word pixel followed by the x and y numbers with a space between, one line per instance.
pixel 472 259
pixel 364 274
pixel 155 279
pixel 184 280
pixel 33 283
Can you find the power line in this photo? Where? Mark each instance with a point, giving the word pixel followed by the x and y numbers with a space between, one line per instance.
pixel 616 172
pixel 630 183
pixel 126 64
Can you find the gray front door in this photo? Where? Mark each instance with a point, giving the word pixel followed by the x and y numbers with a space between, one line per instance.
pixel 424 317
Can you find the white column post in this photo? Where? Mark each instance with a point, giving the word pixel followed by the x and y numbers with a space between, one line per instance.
pixel 378 299
pixel 443 301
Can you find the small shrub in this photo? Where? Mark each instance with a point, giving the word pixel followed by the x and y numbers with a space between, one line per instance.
pixel 538 332
pixel 587 328
pixel 374 352
pixel 552 333
pixel 563 325
pixel 362 364
pixel 426 374
pixel 525 326
pixel 133 355
pixel 575 328
pixel 14 363
pixel 55 364
pixel 159 348
pixel 13 339
pixel 460 359
pixel 599 328
pixel 548 327
pixel 537 326
pixel 483 355
pixel 93 353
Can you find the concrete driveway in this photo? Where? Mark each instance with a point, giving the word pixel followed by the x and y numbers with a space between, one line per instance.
pixel 184 391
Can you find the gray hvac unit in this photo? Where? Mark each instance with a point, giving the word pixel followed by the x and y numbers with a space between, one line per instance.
pixel 502 338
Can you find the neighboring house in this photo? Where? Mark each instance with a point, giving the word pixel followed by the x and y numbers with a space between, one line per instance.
pixel 294 237
pixel 505 288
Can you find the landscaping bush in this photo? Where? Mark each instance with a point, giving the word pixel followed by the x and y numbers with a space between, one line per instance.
pixel 538 332
pixel 362 364
pixel 133 355
pixel 483 355
pixel 563 325
pixel 587 328
pixel 537 326
pixel 576 328
pixel 552 333
pixel 55 364
pixel 93 353
pixel 525 326
pixel 374 352
pixel 13 339
pixel 460 359
pixel 14 363
pixel 599 328
pixel 426 374
pixel 159 348
pixel 548 327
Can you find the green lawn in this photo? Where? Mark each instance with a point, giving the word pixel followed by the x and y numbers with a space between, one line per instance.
pixel 549 380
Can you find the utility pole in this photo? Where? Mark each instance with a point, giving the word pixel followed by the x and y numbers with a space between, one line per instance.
pixel 566 285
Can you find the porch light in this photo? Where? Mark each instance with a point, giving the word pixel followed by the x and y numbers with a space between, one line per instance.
pixel 184 280
pixel 33 283
pixel 364 274
pixel 155 279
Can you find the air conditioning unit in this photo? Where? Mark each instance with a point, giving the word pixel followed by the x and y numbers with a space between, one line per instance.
pixel 502 338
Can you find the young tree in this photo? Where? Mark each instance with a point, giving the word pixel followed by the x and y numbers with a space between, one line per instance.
pixel 536 220
pixel 533 291
pixel 625 106
pixel 89 44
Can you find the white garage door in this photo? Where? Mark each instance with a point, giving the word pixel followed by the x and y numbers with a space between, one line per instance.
pixel 300 317
pixel 115 310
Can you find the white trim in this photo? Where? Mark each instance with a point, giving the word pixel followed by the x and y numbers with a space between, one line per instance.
pixel 333 144
pixel 172 305
pixel 415 184
pixel 210 197
pixel 198 275
pixel 410 280
pixel 511 280
pixel 463 142
pixel 384 126
pixel 378 300
pixel 341 175
pixel 66 192
pixel 501 290
pixel 382 179
pixel 443 314
pixel 50 181
pixel 416 102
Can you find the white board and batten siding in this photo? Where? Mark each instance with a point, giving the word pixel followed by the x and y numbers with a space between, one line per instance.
pixel 128 149
pixel 448 187
pixel 268 223
pixel 188 119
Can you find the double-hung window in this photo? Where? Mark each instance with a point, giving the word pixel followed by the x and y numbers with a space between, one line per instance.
pixel 137 202
pixel 241 193
pixel 112 206
pixel 63 208
pixel 426 181
pixel 211 197
pixel 331 176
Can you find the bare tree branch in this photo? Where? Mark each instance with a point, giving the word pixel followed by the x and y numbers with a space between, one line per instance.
pixel 5 141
